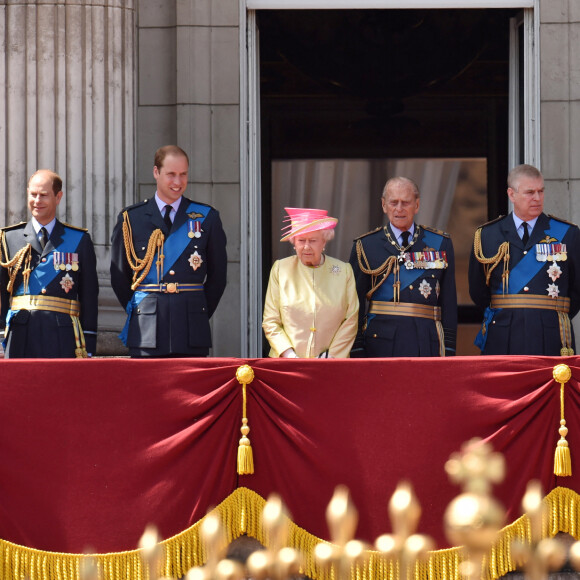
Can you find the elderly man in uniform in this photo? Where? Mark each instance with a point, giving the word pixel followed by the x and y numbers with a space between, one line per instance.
pixel 48 280
pixel 525 274
pixel 405 278
pixel 168 265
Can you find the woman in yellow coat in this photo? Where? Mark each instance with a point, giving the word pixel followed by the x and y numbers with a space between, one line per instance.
pixel 311 307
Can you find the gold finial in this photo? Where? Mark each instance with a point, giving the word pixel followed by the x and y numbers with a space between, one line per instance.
pixel 245 374
pixel 476 466
pixel 474 517
pixel 344 552
pixel 89 568
pixel 151 551
pixel 541 555
pixel 215 543
pixel 403 543
pixel 278 562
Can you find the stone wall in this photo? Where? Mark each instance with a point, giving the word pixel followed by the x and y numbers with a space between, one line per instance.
pixel 188 93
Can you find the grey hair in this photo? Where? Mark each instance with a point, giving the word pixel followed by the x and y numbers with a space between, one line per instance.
pixel 401 181
pixel 327 235
pixel 523 170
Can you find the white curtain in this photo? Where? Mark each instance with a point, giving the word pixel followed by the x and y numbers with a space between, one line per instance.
pixel 350 189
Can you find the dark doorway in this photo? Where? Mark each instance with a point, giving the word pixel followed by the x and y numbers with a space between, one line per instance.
pixel 384 85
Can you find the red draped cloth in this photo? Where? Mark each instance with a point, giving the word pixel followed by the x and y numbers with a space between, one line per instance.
pixel 93 450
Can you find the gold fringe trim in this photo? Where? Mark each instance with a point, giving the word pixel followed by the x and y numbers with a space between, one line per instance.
pixel 241 514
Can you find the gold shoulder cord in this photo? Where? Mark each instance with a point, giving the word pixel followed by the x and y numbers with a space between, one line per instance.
pixel 489 264
pixel 390 264
pixel 155 244
pixel 22 256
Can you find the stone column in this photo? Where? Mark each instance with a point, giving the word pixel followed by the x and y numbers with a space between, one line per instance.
pixel 67 103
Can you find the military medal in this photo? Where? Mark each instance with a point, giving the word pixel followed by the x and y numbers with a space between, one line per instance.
pixel 554 271
pixel 195 260
pixel 194 229
pixel 551 252
pixel 425 289
pixel 65 261
pixel 553 290
pixel 67 283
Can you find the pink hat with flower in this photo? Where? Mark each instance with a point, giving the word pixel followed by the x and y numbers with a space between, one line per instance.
pixel 304 220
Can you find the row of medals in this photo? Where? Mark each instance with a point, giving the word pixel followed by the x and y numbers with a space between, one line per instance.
pixel 551 252
pixel 424 260
pixel 66 261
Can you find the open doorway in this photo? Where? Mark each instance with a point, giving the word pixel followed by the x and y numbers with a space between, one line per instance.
pixel 376 93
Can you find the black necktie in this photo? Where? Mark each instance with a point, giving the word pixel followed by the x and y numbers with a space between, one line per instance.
pixel 43 237
pixel 526 235
pixel 405 236
pixel 166 217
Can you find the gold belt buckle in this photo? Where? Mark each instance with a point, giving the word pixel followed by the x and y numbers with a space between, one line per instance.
pixel 172 287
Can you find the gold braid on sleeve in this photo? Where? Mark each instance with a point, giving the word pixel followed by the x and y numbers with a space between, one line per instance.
pixel 489 264
pixel 140 266
pixel 389 265
pixel 23 256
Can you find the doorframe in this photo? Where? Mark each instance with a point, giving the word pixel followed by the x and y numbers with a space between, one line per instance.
pixel 250 166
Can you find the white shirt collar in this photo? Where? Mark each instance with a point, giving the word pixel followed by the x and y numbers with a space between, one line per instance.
pixel 398 232
pixel 161 205
pixel 518 223
pixel 37 226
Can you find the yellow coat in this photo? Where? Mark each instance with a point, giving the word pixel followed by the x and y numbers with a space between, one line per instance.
pixel 311 309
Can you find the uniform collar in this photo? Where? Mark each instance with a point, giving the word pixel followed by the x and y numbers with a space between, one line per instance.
pixel 48 227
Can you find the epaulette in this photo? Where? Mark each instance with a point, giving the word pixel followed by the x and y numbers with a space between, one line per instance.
pixel 561 220
pixel 369 233
pixel 435 231
pixel 74 227
pixel 138 204
pixel 13 226
pixel 492 221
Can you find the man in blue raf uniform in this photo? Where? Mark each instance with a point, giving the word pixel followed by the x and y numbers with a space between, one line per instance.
pixel 48 280
pixel 168 265
pixel 525 274
pixel 405 278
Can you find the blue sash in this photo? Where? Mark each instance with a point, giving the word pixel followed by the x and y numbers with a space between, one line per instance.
pixel 522 273
pixel 173 247
pixel 45 273
pixel 528 266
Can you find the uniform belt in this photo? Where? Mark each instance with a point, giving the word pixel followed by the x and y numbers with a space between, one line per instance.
pixel 169 287
pixel 561 304
pixel 405 309
pixel 52 303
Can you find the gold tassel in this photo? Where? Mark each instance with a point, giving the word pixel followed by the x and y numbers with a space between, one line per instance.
pixel 245 376
pixel 562 459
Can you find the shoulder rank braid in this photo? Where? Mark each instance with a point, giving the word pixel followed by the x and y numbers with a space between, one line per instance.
pixel 489 264
pixel 23 256
pixel 155 244
pixel 391 264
